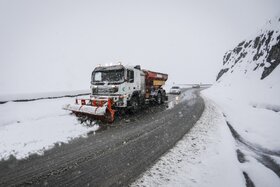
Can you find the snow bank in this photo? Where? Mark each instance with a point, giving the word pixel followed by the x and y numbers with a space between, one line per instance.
pixel 257 125
pixel 33 127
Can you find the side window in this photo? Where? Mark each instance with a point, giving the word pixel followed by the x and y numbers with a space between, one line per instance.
pixel 130 76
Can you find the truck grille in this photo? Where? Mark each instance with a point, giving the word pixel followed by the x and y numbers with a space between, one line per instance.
pixel 104 90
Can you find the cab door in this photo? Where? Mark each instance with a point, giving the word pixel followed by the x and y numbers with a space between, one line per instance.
pixel 130 80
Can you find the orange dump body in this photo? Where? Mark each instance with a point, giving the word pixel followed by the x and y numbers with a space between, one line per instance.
pixel 154 80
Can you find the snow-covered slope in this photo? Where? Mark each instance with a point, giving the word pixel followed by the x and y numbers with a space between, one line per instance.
pixel 248 93
pixel 250 71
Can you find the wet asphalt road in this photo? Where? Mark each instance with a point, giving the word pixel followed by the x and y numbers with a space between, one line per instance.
pixel 115 156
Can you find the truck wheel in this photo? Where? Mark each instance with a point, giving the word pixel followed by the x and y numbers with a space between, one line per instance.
pixel 134 103
pixel 164 97
pixel 159 99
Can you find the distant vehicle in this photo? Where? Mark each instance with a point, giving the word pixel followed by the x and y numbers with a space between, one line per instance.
pixel 196 86
pixel 175 90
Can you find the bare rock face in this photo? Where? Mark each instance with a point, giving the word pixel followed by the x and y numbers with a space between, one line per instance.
pixel 273 59
pixel 261 53
pixel 220 74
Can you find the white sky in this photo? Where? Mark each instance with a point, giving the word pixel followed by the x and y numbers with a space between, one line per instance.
pixel 54 45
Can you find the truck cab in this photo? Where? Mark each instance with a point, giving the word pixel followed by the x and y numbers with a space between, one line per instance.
pixel 118 83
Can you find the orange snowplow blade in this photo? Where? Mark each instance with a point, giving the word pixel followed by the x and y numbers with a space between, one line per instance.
pixel 97 108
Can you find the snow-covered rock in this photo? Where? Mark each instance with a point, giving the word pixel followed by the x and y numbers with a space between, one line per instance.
pixel 248 88
pixel 261 54
pixel 250 71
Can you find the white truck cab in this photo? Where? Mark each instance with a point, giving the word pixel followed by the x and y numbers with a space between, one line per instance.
pixel 119 83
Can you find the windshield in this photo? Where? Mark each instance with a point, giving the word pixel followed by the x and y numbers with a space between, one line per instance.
pixel 108 76
pixel 175 87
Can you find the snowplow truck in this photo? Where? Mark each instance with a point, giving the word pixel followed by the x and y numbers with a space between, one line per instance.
pixel 119 87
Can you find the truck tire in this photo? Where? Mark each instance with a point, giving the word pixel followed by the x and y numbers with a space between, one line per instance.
pixel 159 98
pixel 134 104
pixel 164 97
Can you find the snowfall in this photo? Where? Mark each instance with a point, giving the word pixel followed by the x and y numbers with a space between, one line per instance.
pixel 235 142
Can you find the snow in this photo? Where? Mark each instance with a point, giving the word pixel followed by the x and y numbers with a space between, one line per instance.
pixel 251 106
pixel 203 157
pixel 212 154
pixel 258 126
pixel 242 81
pixel 33 127
pixel 261 175
pixel 38 95
pixel 206 156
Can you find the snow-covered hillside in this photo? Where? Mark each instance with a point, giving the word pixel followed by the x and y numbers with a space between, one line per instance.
pixel 250 71
pixel 248 92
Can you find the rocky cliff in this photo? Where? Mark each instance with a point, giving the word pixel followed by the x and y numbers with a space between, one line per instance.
pixel 260 54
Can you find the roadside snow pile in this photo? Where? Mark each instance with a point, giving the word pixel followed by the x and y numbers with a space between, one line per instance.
pixel 248 92
pixel 204 157
pixel 33 127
